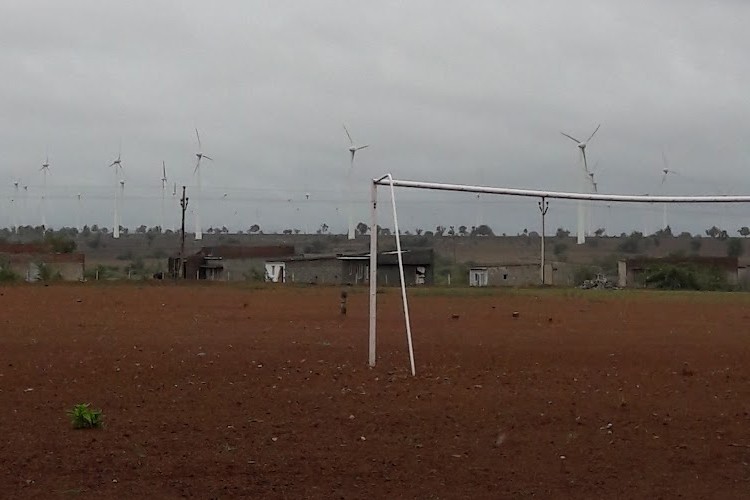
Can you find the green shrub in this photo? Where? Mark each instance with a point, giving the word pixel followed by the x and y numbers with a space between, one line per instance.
pixel 583 273
pixel 82 417
pixel 559 249
pixel 685 277
pixel 734 247
pixel 7 275
pixel 46 273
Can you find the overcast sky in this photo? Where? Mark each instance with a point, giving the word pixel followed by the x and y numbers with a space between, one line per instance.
pixel 470 92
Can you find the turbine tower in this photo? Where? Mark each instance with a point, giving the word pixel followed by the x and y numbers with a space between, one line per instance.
pixel 665 173
pixel 353 150
pixel 45 172
pixel 197 175
pixel 163 194
pixel 15 206
pixel 117 164
pixel 122 199
pixel 78 212
pixel 585 182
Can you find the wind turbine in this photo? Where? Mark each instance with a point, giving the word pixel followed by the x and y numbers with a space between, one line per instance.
pixel 581 206
pixel 163 194
pixel 665 173
pixel 45 172
pixel 78 212
pixel 197 174
pixel 25 198
pixel 117 164
pixel 122 198
pixel 594 189
pixel 353 150
pixel 15 205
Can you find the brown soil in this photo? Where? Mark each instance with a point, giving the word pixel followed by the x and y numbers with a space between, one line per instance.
pixel 224 392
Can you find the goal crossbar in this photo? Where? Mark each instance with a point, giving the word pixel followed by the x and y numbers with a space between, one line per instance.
pixel 389 181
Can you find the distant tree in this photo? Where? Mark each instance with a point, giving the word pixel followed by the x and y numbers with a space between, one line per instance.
pixel 384 231
pixel 323 229
pixel 695 245
pixel 599 232
pixel 715 232
pixel 631 243
pixel 525 232
pixel 482 230
pixel 254 228
pixel 440 230
pixel 559 249
pixel 94 228
pixel 286 231
pixel 141 229
pixel 734 247
pixel 451 231
pixel 744 231
pixel 297 231
pixel 361 228
pixel 429 234
pixel 462 231
pixel 562 233
pixel 61 244
pixel 418 231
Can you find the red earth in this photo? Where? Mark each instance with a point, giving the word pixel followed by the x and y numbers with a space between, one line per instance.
pixel 232 392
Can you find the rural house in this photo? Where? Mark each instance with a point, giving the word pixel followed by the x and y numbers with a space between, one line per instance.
pixel 521 274
pixel 229 263
pixel 352 269
pixel 32 262
pixel 631 272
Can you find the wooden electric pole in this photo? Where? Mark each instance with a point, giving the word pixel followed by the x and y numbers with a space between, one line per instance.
pixel 183 204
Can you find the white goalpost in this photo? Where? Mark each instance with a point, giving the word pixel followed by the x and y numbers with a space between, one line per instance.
pixel 389 181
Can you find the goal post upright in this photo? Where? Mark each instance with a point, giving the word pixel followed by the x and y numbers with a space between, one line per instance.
pixel 373 271
pixel 388 180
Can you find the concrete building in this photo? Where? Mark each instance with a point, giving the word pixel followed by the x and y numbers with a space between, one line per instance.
pixel 353 269
pixel 630 272
pixel 229 263
pixel 34 262
pixel 521 274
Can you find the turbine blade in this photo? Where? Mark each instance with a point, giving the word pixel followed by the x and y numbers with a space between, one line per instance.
pixel 200 148
pixel 363 147
pixel 164 170
pixel 207 157
pixel 351 141
pixel 197 166
pixel 571 138
pixel 594 132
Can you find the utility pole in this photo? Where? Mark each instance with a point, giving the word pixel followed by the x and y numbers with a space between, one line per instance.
pixel 543 207
pixel 183 204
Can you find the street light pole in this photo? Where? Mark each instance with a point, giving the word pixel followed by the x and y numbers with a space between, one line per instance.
pixel 543 207
pixel 183 204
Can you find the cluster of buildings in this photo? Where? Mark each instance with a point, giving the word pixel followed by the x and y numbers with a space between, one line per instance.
pixel 281 264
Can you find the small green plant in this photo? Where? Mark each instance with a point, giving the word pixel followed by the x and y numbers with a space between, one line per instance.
pixel 82 417
pixel 7 275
